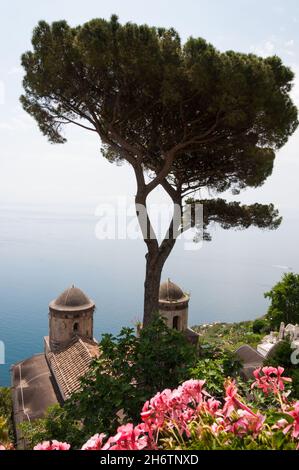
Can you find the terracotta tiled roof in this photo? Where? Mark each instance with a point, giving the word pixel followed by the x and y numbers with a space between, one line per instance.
pixel 70 364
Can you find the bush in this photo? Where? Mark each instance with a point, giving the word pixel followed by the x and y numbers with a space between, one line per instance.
pixel 294 374
pixel 6 412
pixel 210 370
pixel 214 369
pixel 56 424
pixel 259 325
pixel 280 355
pixel 284 297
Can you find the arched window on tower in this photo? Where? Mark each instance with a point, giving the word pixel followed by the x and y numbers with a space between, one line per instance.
pixel 176 323
pixel 75 327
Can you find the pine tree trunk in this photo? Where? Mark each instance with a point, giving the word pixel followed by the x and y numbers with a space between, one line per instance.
pixel 155 260
pixel 151 287
pixel 154 265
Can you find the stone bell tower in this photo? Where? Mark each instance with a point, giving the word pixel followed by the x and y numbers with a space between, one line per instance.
pixel 70 315
pixel 173 305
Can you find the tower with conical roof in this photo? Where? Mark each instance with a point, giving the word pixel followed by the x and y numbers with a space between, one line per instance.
pixel 70 315
pixel 173 305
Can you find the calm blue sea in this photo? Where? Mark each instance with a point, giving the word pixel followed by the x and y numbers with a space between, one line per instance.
pixel 42 252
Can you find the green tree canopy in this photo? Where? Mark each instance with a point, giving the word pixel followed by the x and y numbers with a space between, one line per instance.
pixel 284 297
pixel 185 116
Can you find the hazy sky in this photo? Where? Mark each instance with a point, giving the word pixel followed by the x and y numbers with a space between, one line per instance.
pixel 32 171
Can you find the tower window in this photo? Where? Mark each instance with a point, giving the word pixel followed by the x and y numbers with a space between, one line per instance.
pixel 176 323
pixel 76 327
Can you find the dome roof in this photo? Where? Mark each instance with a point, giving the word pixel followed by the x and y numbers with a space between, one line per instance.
pixel 72 298
pixel 170 291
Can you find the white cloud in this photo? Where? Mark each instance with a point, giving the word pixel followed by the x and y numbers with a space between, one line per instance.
pixel 265 49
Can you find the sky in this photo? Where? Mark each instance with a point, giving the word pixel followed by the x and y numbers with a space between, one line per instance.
pixel 34 172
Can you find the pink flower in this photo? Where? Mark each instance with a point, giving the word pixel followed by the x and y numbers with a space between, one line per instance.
pixel 155 412
pixel 294 426
pixel 271 380
pixel 248 423
pixel 280 424
pixel 281 380
pixel 128 437
pixel 232 401
pixel 94 443
pixel 192 390
pixel 269 370
pixel 218 425
pixel 52 445
pixel 174 408
pixel 211 406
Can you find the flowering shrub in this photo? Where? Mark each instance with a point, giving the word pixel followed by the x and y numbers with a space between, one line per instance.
pixel 188 417
pixel 270 379
pixel 95 442
pixel 52 445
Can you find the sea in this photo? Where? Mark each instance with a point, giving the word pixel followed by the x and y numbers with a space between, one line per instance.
pixel 44 250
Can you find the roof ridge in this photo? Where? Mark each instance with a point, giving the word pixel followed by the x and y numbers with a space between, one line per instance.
pixel 85 347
